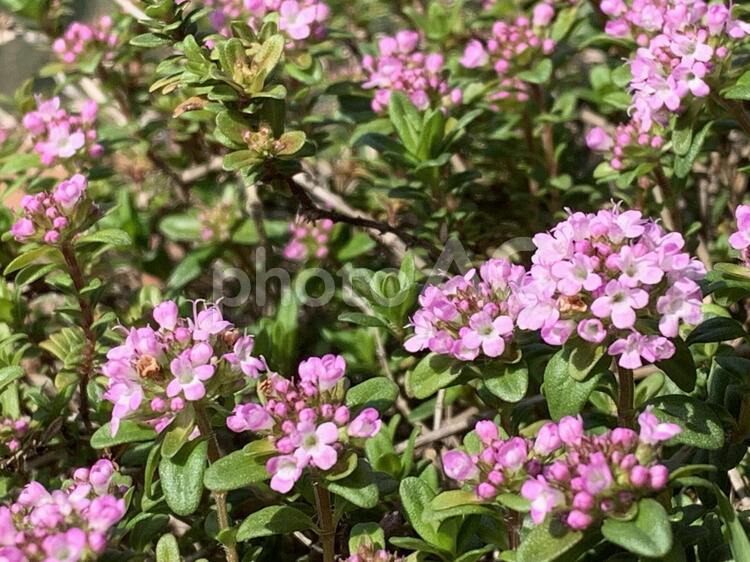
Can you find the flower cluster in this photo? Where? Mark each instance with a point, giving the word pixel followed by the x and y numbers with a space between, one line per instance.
pixel 607 276
pixel 468 315
pixel 681 43
pixel 69 524
pixel 298 19
pixel 580 478
pixel 627 146
pixel 157 374
pixel 512 48
pixel 50 217
pixel 81 38
pixel 308 239
pixel 218 222
pixel 740 240
pixel 401 66
pixel 370 553
pixel 58 134
pixel 306 420
pixel 12 432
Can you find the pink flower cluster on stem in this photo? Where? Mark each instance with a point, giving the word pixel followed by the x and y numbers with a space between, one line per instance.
pixel 59 135
pixel 306 421
pixel 562 471
pixel 81 38
pixel 67 525
pixel 51 217
pixel 469 315
pixel 681 43
pixel 607 277
pixel 402 66
pixel 628 146
pixel 12 432
pixel 298 19
pixel 158 373
pixel 308 239
pixel 511 48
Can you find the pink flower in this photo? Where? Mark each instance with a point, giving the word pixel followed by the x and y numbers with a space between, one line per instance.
pixel 208 322
pixel 296 20
pixel 69 192
pixel 65 547
pixel 570 430
pixel 629 349
pixel 474 55
pixel 165 314
pixel 188 378
pixel 543 14
pixel 487 431
pixel 740 240
pixel 242 357
pixel 653 431
pixel 592 330
pixel 487 332
pixel 598 139
pixel 547 440
pixel 681 302
pixel 100 475
pixel 104 512
pixel 250 417
pixel 367 424
pixel 285 471
pixel 324 371
pixel 314 444
pixel 459 466
pixel 543 498
pixel 596 474
pixel 619 302
pixel 512 454
pixel 22 229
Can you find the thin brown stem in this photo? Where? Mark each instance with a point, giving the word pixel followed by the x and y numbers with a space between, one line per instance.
pixel 625 397
pixel 325 520
pixel 87 320
pixel 220 498
pixel 312 212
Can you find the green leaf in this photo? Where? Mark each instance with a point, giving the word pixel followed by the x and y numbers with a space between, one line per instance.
pixel 416 497
pixel 8 375
pixel 291 143
pixel 648 534
pixel 236 470
pixel 680 367
pixel 507 381
pixel 45 253
pixel 565 395
pixel 150 40
pixel 182 477
pixel 268 57
pixel 406 120
pixel 700 425
pixel 176 435
pixel 540 74
pixel 683 164
pixel 167 549
pixel 454 498
pixel 366 320
pixel 379 393
pixel 547 542
pixel 431 374
pixel 240 159
pixel 358 488
pixel 19 163
pixel 366 534
pixel 181 228
pixel 716 329
pixel 233 126
pixel 128 432
pixel 111 236
pixel 734 531
pixel 273 520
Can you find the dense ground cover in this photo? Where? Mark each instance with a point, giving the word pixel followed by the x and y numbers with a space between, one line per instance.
pixel 376 280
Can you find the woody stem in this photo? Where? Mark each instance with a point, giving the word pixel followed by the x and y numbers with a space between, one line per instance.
pixel 626 397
